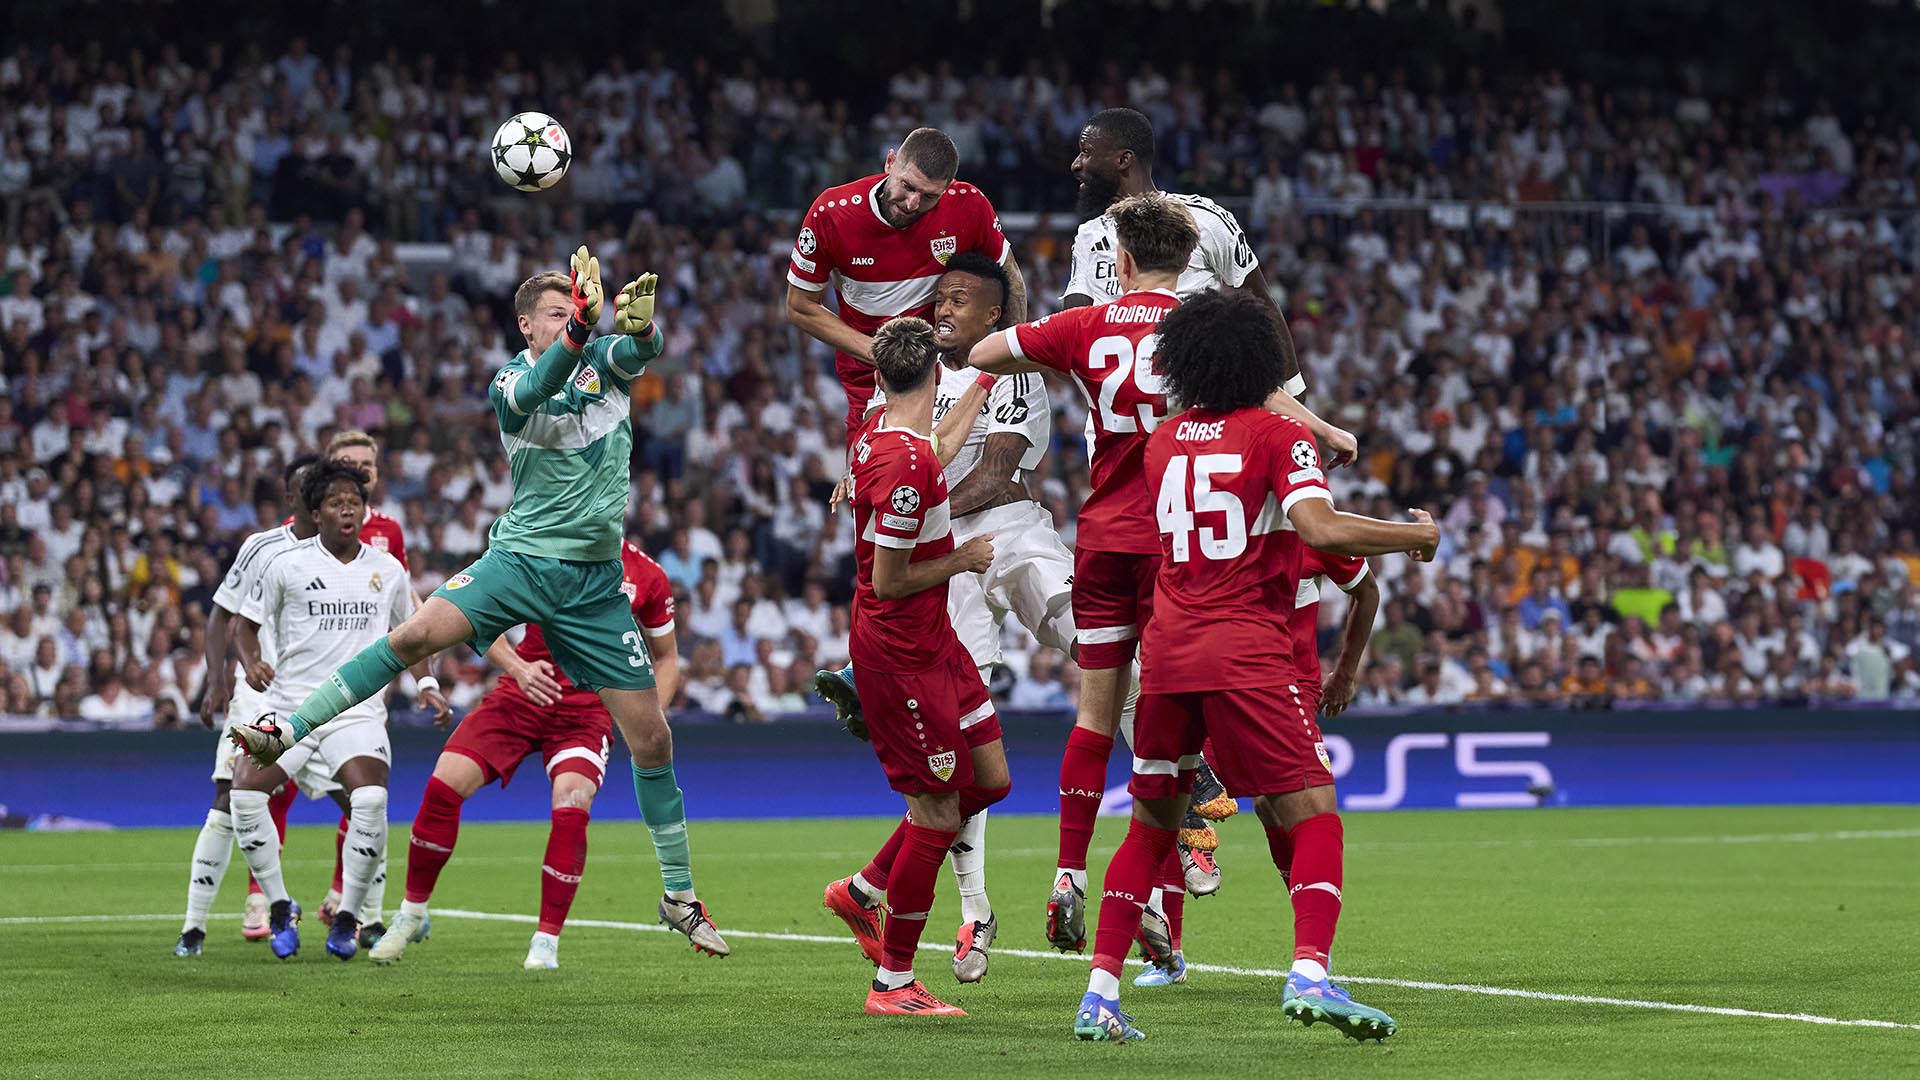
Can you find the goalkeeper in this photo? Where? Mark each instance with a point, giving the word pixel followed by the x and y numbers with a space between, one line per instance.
pixel 554 558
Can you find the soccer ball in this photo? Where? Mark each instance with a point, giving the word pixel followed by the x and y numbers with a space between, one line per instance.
pixel 531 151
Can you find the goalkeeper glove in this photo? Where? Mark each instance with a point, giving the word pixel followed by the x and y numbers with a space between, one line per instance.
pixel 633 308
pixel 586 296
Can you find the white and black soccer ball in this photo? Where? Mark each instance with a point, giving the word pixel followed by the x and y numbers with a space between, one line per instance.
pixel 531 151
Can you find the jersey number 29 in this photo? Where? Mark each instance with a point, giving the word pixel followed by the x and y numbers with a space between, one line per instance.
pixel 1177 520
pixel 1130 362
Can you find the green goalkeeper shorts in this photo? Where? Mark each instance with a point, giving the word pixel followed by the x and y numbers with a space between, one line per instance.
pixel 579 606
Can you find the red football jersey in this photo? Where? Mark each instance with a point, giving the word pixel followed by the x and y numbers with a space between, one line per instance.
pixel 880 272
pixel 899 500
pixel 1344 571
pixel 651 595
pixel 1108 349
pixel 1223 484
pixel 381 532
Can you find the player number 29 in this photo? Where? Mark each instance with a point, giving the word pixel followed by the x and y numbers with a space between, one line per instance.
pixel 1176 520
pixel 1129 363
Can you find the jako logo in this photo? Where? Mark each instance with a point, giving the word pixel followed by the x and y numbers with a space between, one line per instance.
pixel 1082 793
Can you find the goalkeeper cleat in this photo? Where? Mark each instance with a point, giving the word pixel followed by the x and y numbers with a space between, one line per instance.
pixel 283 926
pixel 393 944
pixel 1067 916
pixel 1210 799
pixel 1100 1020
pixel 837 689
pixel 970 949
pixel 1156 938
pixel 864 921
pixel 1308 1001
pixel 913 999
pixel 264 739
pixel 343 940
pixel 1172 975
pixel 543 954
pixel 189 943
pixel 253 924
pixel 1202 873
pixel 690 918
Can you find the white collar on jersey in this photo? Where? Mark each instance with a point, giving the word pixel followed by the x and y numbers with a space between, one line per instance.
pixel 873 203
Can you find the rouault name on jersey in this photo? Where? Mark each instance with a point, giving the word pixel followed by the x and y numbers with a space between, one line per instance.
pixel 1134 313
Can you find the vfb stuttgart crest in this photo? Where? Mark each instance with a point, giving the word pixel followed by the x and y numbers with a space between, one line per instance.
pixel 944 248
pixel 1304 455
pixel 905 499
pixel 942 765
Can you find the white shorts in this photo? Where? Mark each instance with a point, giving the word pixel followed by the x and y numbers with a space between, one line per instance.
pixel 313 761
pixel 1031 577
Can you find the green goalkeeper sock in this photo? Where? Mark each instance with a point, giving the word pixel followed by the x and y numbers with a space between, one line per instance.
pixel 664 809
pixel 357 680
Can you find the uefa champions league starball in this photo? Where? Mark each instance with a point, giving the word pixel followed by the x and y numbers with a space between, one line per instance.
pixel 531 151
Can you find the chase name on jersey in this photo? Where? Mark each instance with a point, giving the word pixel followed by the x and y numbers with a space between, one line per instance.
pixel 1195 431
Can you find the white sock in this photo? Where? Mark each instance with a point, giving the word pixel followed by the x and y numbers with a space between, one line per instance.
pixel 867 890
pixel 1104 983
pixel 540 935
pixel 259 843
pixel 408 907
pixel 1130 704
pixel 366 847
pixel 684 896
pixel 212 852
pixel 970 868
pixel 375 903
pixel 1079 877
pixel 1155 903
pixel 893 980
pixel 1310 969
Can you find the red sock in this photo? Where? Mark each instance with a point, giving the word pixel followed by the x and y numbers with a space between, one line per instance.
pixel 1173 893
pixel 1280 846
pixel 880 869
pixel 1318 846
pixel 277 806
pixel 436 828
pixel 1130 879
pixel 560 873
pixel 339 842
pixel 911 895
pixel 1083 780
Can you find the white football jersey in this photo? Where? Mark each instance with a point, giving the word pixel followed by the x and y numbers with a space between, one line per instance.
pixel 1017 403
pixel 323 612
pixel 256 551
pixel 1224 255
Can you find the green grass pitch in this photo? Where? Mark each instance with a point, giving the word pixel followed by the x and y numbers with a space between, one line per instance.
pixel 1810 911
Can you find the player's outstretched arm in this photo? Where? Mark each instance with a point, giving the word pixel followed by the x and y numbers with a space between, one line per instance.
pixel 1363 604
pixel 806 310
pixel 896 575
pixel 1341 446
pixel 555 366
pixel 640 338
pixel 950 434
pixel 1341 533
pixel 995 356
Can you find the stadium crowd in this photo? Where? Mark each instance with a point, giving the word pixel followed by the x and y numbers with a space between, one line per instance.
pixel 1673 447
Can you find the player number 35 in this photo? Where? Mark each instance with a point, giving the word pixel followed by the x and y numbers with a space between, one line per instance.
pixel 1177 520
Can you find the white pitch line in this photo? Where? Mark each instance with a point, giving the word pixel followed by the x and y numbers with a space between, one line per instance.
pixel 1034 954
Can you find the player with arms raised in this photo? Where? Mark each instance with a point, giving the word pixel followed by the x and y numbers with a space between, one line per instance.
pixel 321 600
pixel 880 242
pixel 988 434
pixel 1238 496
pixel 1108 350
pixel 553 558
pixel 534 708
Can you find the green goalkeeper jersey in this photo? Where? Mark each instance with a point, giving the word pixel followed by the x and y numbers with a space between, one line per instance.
pixel 565 424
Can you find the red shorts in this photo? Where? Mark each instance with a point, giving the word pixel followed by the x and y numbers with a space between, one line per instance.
pixel 1112 598
pixel 572 736
pixel 1266 741
pixel 925 724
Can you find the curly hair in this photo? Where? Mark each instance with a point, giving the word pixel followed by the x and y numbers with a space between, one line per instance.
pixel 323 475
pixel 1220 351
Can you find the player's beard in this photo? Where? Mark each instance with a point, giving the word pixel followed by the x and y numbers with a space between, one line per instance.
pixel 895 216
pixel 1096 194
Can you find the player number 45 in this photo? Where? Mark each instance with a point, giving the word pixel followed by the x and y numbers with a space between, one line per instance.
pixel 1177 521
pixel 1129 363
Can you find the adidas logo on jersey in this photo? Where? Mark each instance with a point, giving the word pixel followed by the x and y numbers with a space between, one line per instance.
pixel 316 585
